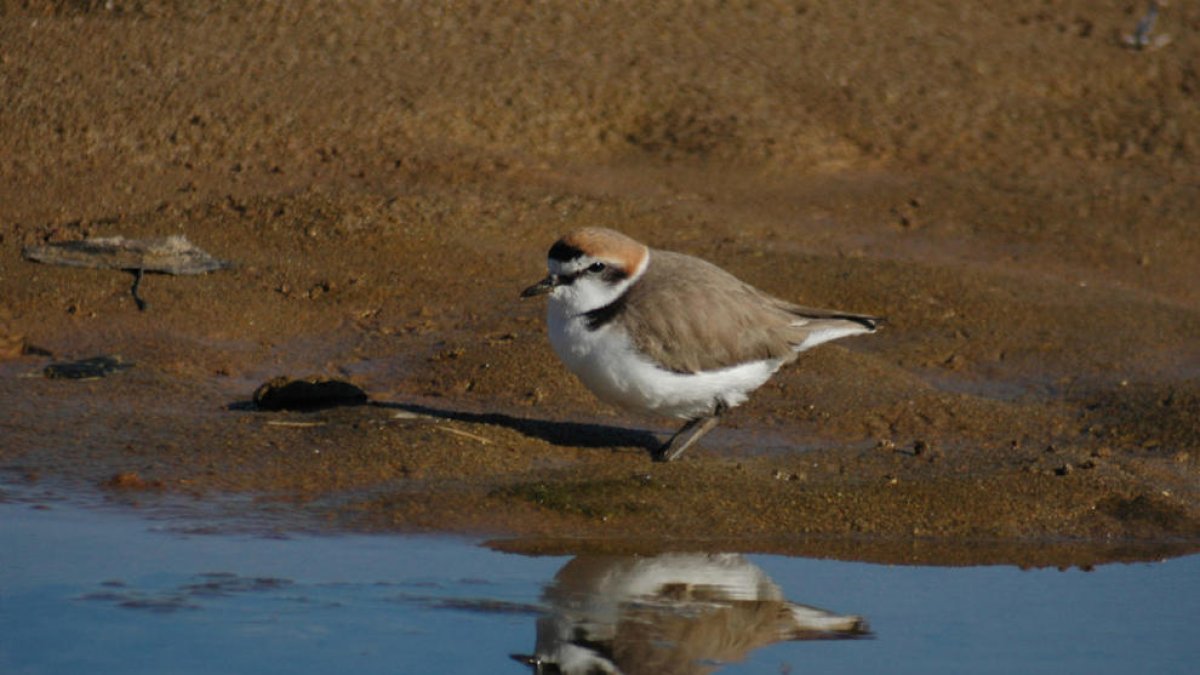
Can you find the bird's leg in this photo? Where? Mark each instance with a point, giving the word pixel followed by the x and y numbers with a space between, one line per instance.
pixel 688 434
pixel 685 438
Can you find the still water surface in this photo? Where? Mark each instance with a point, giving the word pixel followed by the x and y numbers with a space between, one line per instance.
pixel 86 590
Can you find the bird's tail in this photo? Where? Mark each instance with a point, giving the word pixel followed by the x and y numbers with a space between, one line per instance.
pixel 816 326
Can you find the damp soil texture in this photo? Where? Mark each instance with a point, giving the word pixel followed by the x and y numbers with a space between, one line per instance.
pixel 1011 183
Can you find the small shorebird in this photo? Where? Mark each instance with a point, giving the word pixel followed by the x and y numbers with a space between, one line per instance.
pixel 666 333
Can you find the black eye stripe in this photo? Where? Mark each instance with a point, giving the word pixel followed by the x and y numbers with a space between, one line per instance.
pixel 610 275
pixel 613 274
pixel 607 272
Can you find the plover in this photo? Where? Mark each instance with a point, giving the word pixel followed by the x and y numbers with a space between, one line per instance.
pixel 669 334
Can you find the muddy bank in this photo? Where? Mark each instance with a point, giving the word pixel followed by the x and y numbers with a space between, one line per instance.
pixel 1009 184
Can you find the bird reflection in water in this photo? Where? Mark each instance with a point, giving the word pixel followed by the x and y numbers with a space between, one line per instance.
pixel 671 613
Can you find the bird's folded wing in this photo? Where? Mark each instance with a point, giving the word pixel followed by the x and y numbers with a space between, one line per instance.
pixel 688 315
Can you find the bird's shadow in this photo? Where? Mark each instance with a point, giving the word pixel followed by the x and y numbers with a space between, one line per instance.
pixel 567 434
pixel 572 434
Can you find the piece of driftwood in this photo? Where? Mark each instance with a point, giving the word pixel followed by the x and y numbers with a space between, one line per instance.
pixel 169 255
pixel 86 369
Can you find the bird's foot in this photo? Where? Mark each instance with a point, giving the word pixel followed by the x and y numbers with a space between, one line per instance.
pixel 687 436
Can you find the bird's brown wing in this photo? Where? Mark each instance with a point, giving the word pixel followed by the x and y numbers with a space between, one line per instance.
pixel 689 315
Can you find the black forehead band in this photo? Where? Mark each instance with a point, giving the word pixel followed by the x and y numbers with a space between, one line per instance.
pixel 564 252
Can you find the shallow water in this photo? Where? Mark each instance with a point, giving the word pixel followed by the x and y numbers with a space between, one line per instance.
pixel 111 590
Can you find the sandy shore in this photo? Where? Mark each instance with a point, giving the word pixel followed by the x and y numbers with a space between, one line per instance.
pixel 1009 184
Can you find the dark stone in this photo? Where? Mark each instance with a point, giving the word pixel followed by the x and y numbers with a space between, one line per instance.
pixel 311 393
pixel 86 369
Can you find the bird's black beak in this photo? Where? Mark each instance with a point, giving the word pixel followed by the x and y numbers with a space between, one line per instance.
pixel 542 287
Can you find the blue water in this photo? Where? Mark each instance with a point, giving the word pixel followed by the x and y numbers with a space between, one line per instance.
pixel 109 591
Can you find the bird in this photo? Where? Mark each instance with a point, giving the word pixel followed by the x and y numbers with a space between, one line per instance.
pixel 662 333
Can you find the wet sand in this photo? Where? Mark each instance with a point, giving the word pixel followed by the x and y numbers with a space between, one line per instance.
pixel 1010 185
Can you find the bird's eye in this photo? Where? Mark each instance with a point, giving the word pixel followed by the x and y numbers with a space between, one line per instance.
pixel 596 267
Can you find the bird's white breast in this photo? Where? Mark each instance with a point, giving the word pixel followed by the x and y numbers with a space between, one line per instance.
pixel 607 362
